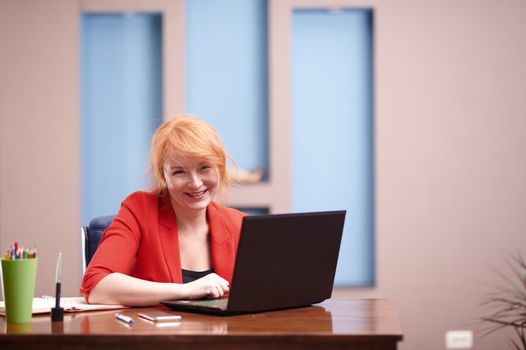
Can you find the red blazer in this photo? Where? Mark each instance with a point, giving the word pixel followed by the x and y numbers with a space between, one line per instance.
pixel 142 242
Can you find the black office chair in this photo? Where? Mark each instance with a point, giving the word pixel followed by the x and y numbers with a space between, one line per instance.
pixel 91 236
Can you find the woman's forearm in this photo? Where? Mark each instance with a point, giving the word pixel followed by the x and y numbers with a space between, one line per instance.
pixel 117 288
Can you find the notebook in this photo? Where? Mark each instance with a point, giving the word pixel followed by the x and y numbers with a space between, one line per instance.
pixel 44 304
pixel 283 261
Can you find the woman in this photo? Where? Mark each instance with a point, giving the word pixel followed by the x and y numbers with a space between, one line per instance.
pixel 174 242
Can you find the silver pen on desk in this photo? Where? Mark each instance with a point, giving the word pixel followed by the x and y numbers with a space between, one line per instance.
pixel 124 318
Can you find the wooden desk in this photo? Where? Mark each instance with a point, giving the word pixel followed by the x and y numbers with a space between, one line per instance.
pixel 333 324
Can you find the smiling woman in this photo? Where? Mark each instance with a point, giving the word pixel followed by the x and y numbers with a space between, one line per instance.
pixel 186 138
pixel 191 182
pixel 176 233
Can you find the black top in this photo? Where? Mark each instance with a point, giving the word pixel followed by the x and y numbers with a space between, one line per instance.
pixel 190 276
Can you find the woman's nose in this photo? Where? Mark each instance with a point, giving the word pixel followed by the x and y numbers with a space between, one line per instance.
pixel 195 181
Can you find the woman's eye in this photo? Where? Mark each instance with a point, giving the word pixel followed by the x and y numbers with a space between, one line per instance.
pixel 178 172
pixel 205 167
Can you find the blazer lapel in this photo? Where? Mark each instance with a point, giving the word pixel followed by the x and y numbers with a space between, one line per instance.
pixel 169 240
pixel 222 243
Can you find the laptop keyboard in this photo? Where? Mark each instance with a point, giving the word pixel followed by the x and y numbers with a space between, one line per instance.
pixel 210 304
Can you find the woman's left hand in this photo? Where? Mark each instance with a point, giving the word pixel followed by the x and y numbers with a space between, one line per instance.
pixel 210 286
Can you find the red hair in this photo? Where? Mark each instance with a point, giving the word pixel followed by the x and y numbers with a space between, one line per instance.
pixel 187 136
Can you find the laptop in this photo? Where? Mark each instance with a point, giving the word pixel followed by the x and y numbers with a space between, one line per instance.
pixel 283 261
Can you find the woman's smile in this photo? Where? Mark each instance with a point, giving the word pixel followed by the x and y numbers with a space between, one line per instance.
pixel 197 195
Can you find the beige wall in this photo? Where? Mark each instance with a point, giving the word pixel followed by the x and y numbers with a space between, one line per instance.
pixel 451 169
pixel 450 118
pixel 39 135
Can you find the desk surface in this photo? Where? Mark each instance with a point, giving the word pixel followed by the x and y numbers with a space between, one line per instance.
pixel 351 323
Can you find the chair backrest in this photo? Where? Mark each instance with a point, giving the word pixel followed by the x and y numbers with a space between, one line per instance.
pixel 91 236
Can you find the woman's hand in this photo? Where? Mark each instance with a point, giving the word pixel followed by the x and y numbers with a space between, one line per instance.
pixel 210 286
pixel 117 288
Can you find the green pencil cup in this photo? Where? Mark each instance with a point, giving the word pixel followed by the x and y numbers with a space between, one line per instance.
pixel 19 278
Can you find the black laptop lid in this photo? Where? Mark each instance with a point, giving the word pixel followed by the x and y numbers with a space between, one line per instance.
pixel 286 260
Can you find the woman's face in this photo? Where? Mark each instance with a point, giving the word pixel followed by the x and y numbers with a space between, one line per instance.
pixel 192 182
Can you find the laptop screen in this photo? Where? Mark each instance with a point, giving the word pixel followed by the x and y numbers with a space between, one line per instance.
pixel 283 261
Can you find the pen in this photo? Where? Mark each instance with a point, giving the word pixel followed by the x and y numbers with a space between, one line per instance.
pixel 57 313
pixel 58 275
pixel 124 318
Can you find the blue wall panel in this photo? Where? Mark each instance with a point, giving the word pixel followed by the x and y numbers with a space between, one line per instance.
pixel 332 123
pixel 226 74
pixel 121 106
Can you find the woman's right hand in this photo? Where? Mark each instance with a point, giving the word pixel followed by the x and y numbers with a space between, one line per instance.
pixel 210 286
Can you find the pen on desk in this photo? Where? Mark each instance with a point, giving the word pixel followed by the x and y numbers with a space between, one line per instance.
pixel 124 318
pixel 57 313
